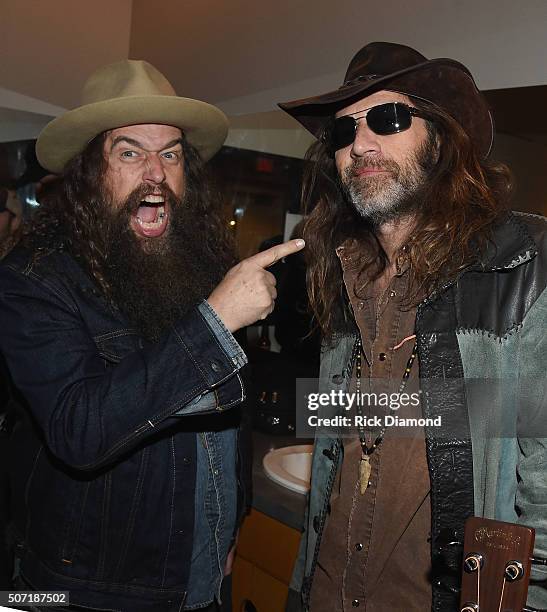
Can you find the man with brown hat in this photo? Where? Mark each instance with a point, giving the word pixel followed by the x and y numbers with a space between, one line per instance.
pixel 421 281
pixel 117 318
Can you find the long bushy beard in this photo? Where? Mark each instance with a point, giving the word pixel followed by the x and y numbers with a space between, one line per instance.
pixel 154 281
pixel 383 198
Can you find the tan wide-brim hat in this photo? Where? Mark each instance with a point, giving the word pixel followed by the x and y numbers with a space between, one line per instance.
pixel 130 92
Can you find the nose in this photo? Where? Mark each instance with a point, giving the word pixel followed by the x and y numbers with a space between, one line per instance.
pixel 366 141
pixel 154 172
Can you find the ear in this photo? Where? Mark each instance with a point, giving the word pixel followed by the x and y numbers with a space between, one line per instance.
pixel 435 141
pixel 438 145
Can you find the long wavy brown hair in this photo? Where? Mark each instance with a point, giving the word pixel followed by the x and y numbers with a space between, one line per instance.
pixel 72 215
pixel 463 199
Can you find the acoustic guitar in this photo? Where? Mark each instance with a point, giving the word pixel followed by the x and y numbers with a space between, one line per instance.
pixel 497 561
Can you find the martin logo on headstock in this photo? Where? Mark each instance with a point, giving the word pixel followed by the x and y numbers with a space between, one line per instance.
pixel 496 566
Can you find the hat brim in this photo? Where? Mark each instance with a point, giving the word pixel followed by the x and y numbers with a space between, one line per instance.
pixel 443 81
pixel 204 126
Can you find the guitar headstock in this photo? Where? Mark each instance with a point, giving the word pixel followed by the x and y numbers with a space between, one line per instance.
pixel 496 566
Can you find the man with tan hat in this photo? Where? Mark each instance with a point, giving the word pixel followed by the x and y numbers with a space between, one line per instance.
pixel 118 313
pixel 424 285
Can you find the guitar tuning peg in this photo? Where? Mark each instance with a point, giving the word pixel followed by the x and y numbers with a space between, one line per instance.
pixel 470 607
pixel 473 562
pixel 538 561
pixel 514 570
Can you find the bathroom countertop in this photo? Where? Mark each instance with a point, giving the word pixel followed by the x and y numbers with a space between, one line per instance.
pixel 270 498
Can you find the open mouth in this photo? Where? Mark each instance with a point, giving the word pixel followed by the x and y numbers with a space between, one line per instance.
pixel 151 217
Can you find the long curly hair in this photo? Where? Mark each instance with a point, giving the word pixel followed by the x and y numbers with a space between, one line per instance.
pixel 463 199
pixel 71 213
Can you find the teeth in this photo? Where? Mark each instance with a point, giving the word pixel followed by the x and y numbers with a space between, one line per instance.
pixel 153 224
pixel 154 199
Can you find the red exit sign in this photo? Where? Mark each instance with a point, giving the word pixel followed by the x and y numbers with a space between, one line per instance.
pixel 263 164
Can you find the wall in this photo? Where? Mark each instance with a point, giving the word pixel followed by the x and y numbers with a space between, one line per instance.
pixel 528 162
pixel 271 132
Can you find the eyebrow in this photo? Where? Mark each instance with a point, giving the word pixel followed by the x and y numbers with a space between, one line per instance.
pixel 136 143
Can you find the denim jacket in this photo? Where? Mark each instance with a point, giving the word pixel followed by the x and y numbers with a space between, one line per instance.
pixel 489 325
pixel 104 470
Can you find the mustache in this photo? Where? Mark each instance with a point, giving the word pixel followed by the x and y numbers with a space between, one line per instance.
pixel 375 162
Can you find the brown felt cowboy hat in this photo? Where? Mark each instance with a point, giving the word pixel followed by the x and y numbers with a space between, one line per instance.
pixel 393 67
pixel 129 92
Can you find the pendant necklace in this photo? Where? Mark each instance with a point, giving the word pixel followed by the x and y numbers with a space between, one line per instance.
pixel 367 451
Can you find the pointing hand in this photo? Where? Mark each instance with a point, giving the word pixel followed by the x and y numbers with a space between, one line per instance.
pixel 247 293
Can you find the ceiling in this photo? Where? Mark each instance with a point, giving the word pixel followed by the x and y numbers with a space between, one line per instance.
pixel 245 55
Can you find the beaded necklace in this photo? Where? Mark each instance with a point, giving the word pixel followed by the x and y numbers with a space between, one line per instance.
pixel 367 451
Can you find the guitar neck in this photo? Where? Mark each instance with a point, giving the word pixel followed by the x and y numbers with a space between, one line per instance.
pixel 496 566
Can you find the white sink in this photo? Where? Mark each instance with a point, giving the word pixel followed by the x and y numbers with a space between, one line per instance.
pixel 290 467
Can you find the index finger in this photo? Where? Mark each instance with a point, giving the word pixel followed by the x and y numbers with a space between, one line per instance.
pixel 272 255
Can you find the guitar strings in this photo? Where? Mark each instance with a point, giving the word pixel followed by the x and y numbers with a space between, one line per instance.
pixel 502 591
pixel 479 585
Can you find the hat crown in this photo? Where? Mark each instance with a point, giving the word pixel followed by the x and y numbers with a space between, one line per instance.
pixel 381 58
pixel 129 92
pixel 123 79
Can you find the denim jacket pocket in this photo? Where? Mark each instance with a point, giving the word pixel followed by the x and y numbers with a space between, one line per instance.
pixel 114 346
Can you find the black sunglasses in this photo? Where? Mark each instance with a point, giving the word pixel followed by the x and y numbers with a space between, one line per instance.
pixel 384 119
